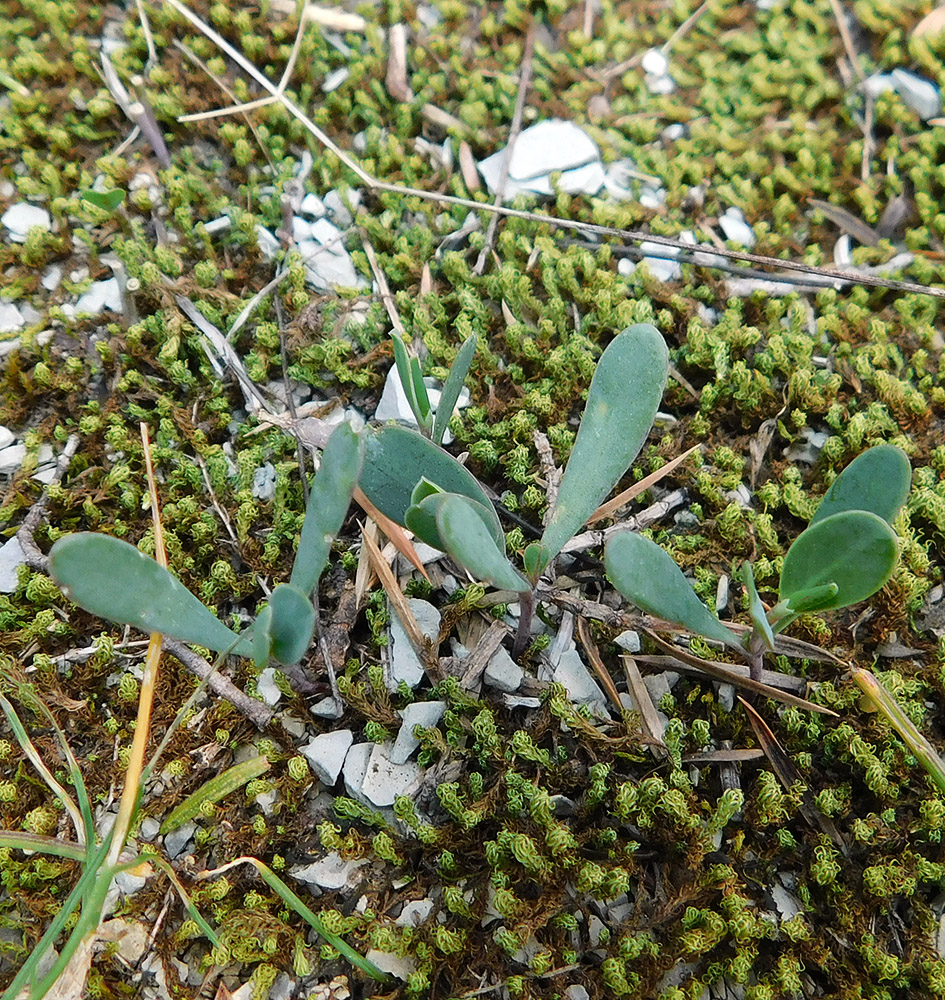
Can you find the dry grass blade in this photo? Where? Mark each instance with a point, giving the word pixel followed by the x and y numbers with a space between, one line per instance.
pixel 606 509
pixel 789 776
pixel 723 757
pixel 603 674
pixel 931 25
pixel 422 645
pixel 644 703
pixel 394 532
pixel 847 221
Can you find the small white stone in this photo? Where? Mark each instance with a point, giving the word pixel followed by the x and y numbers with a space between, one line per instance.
pixel 354 769
pixel 673 132
pixel 842 256
pixel 520 701
pixel 52 277
pixel 331 872
pixel 7 437
pixel 335 79
pixel 392 964
pixel 267 801
pixel 414 913
pixel 264 482
pixel 269 246
pixel 11 458
pixel 654 61
pixel 788 905
pixel 266 687
pixel 149 829
pixel 11 319
pixel 100 296
pixel 218 225
pixel 629 641
pixel 338 210
pixel 22 217
pixel 384 780
pixel 652 198
pixel 660 85
pixel 660 684
pixel 918 93
pixel 404 664
pixel 301 229
pixel 130 936
pixel 577 680
pixel 12 558
pixel 418 713
pixel 877 84
pixel 177 840
pixel 736 228
pixel 503 673
pixel 313 205
pixel 577 992
pixel 326 754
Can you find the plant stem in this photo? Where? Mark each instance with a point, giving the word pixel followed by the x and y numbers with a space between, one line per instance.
pixel 524 632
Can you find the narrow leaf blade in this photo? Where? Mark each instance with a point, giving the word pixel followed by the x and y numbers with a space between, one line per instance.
pixel 396 459
pixel 647 575
pixel 292 625
pixel 877 481
pixel 622 401
pixel 453 387
pixel 755 608
pixel 328 504
pixel 856 550
pixel 469 542
pixel 402 361
pixel 111 579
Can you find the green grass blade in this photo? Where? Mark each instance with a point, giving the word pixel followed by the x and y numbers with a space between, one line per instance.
pixel 114 580
pixel 647 575
pixel 208 932
pixel 328 504
pixel 453 387
pixel 855 550
pixel 214 790
pixel 21 841
pixel 622 401
pixel 877 481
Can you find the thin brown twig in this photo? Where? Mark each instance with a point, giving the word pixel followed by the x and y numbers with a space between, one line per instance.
pixel 524 81
pixel 845 37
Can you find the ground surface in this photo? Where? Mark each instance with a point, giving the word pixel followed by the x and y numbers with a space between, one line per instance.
pixel 642 880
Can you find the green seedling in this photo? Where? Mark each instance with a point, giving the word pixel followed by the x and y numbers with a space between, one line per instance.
pixel 112 579
pixel 423 488
pixel 106 201
pixel 411 378
pixel 846 555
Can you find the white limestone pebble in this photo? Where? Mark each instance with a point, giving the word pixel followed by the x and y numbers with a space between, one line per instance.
pixel 52 277
pixel 393 965
pixel 313 205
pixel 414 913
pixel 629 641
pixel 404 664
pixel 384 780
pixel 11 319
pixel 503 673
pixel 326 754
pixel 7 437
pixel 354 770
pixel 177 840
pixel 12 557
pixel 11 458
pixel 22 217
pixel 267 688
pixel 736 229
pixel 330 872
pixel 577 680
pixel 654 61
pixel 917 93
pixel 418 713
pixel 101 295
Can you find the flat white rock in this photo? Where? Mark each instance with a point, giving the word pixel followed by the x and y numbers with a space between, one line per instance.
pixel 11 319
pixel 100 296
pixel 331 872
pixel 177 840
pixel 354 770
pixel 654 61
pixel 267 688
pixel 503 673
pixel 11 458
pixel 418 713
pixel 404 664
pixel 392 964
pixel 12 557
pixel 736 229
pixel 877 84
pixel 577 680
pixel 384 780
pixel 22 217
pixel 414 913
pixel 629 641
pixel 545 148
pixel 659 84
pixel 326 754
pixel 313 205
pixel 917 93
pixel 393 404
pixel 52 277
pixel 7 437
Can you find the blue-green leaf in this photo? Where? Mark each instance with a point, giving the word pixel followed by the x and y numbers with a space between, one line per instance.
pixel 877 481
pixel 468 541
pixel 414 389
pixel 855 549
pixel 292 625
pixel 396 459
pixel 453 387
pixel 621 404
pixel 112 579
pixel 756 609
pixel 107 201
pixel 328 504
pixel 647 575
pixel 421 520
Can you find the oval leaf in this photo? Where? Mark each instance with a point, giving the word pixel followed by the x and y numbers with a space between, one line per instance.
pixel 622 401
pixel 396 459
pixel 261 637
pixel 877 481
pixel 855 549
pixel 328 504
pixel 469 542
pixel 421 519
pixel 453 387
pixel 114 580
pixel 647 575
pixel 292 624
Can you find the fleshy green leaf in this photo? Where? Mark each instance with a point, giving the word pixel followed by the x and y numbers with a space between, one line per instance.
pixel 421 491
pixel 396 459
pixel 292 625
pixel 453 387
pixel 469 542
pixel 877 481
pixel 812 600
pixel 755 608
pixel 647 575
pixel 113 580
pixel 107 201
pixel 421 519
pixel 260 635
pixel 855 549
pixel 420 394
pixel 328 504
pixel 414 389
pixel 621 404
